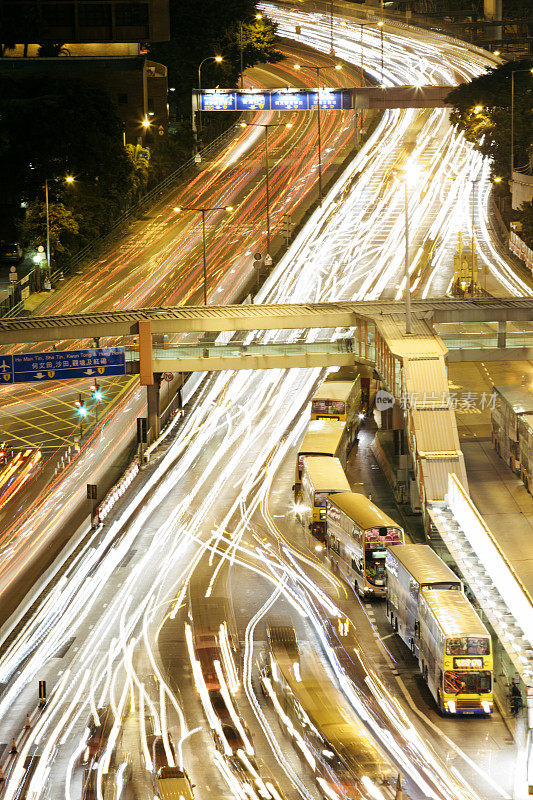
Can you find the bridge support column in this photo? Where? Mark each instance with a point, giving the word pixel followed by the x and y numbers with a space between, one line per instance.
pixel 502 333
pixel 152 399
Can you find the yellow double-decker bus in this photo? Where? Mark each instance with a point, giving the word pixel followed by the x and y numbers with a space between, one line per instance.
pixel 340 400
pixel 455 653
pixel 358 535
pixel 322 438
pixel 321 476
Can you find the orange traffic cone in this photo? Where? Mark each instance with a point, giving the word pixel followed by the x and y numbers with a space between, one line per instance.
pixel 27 726
pixel 13 747
pixel 2 774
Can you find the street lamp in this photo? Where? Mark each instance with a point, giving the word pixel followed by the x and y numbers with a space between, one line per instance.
pixel 318 70
pixel 218 59
pixel 380 26
pixel 266 126
pixel 331 49
pixel 203 212
pixel 406 176
pixel 513 72
pixel 68 179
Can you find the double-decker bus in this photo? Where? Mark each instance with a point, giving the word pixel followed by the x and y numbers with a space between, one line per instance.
pixel 455 653
pixel 340 400
pixel 413 569
pixel 345 760
pixel 321 476
pixel 322 438
pixel 358 534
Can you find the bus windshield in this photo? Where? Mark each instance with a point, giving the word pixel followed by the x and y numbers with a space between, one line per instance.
pixel 375 566
pixel 320 499
pixel 468 646
pixel 328 407
pixel 467 682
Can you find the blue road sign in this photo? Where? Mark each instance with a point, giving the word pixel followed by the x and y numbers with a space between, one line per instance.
pixel 58 365
pixel 276 100
pixel 289 101
pixel 252 102
pixel 218 101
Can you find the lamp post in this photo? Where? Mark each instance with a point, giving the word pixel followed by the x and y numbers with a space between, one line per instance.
pixel 203 212
pixel 331 49
pixel 406 175
pixel 513 73
pixel 67 179
pixel 318 70
pixel 218 59
pixel 380 26
pixel 266 127
pixel 474 180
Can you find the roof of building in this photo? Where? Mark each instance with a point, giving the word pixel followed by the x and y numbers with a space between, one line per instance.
pixel 436 469
pixel 421 342
pixel 327 474
pixel 518 397
pixel 426 380
pixel 454 613
pixel 423 563
pixel 362 510
pixel 435 430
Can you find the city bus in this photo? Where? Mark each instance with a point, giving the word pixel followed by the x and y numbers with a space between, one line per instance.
pixel 455 653
pixel 344 759
pixel 323 438
pixel 340 400
pixel 358 534
pixel 321 476
pixel 411 570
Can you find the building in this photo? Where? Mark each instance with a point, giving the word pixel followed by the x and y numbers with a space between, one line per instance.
pixel 511 403
pixel 102 42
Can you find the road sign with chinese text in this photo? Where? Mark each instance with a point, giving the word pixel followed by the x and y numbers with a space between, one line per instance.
pixel 58 365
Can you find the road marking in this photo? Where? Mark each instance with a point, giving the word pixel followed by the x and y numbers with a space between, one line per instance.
pixel 449 741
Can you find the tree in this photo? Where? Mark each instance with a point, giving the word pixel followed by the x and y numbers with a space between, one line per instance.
pixel 63 227
pixel 525 216
pixel 482 109
pixel 52 49
pixel 197 34
pixel 140 169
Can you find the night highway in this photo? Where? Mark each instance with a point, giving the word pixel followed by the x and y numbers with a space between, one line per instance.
pixel 114 627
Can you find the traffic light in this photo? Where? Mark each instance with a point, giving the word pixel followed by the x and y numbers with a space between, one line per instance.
pixel 80 407
pixel 96 392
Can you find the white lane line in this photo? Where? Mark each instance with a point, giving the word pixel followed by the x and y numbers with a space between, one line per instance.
pixel 451 743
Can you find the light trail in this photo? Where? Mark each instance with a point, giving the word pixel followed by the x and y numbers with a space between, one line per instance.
pixel 233 430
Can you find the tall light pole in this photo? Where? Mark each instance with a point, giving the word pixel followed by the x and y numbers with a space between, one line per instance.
pixel 407 175
pixel 203 212
pixel 218 59
pixel 318 70
pixel 368 25
pixel 513 73
pixel 474 180
pixel 266 127
pixel 331 49
pixel 67 179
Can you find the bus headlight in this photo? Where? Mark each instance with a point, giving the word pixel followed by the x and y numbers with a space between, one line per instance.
pixel 486 706
pixel 449 705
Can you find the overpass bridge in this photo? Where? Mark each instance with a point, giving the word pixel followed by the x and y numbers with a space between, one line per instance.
pixel 215 319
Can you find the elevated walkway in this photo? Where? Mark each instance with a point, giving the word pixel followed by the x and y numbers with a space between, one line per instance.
pixel 190 319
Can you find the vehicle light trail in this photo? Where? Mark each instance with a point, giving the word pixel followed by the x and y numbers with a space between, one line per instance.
pixel 216 463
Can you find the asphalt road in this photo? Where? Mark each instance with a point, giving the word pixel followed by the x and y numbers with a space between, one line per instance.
pixel 222 487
